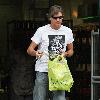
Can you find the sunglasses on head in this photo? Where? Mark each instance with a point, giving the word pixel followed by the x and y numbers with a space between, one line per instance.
pixel 60 17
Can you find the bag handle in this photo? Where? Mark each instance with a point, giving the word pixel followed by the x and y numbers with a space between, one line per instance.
pixel 59 58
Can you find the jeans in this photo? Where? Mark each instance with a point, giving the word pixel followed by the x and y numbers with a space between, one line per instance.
pixel 41 90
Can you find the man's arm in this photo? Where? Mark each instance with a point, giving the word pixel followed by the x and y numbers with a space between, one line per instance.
pixel 69 51
pixel 31 50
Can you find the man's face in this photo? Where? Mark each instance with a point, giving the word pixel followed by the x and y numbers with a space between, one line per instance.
pixel 56 20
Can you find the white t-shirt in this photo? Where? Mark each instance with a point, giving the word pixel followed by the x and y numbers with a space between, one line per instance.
pixel 42 38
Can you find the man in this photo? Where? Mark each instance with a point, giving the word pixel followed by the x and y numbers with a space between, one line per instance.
pixel 51 40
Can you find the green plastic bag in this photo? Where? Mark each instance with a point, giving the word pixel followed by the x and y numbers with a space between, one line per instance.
pixel 59 75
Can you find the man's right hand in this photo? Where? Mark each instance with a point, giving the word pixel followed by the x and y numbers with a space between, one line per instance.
pixel 39 54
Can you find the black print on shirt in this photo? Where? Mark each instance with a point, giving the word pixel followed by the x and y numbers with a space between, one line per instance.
pixel 56 44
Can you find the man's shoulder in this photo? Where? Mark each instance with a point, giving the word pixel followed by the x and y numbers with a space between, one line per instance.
pixel 43 27
pixel 65 28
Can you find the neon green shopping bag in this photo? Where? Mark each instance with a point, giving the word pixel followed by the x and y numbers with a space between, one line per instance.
pixel 59 75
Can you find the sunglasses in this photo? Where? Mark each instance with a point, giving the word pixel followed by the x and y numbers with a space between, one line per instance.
pixel 60 17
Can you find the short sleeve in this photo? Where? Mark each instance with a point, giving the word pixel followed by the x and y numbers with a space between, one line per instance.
pixel 70 37
pixel 37 36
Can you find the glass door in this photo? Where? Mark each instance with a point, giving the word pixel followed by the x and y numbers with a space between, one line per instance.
pixel 95 65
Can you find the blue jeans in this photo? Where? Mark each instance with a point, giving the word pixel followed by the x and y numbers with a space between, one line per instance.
pixel 41 90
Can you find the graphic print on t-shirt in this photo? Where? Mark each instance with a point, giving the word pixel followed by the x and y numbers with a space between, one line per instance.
pixel 56 44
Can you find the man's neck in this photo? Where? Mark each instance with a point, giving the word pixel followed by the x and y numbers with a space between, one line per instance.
pixel 53 27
